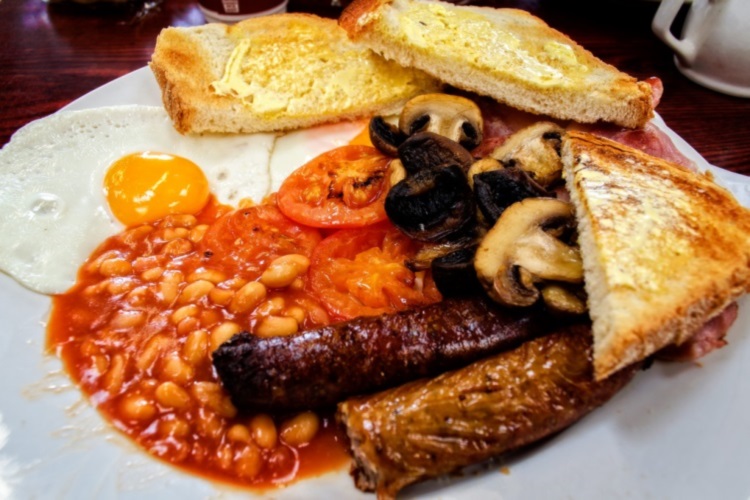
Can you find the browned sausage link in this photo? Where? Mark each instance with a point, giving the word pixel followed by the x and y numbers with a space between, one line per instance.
pixel 433 427
pixel 322 367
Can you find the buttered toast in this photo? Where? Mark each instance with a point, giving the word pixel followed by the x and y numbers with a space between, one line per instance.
pixel 664 249
pixel 506 54
pixel 275 73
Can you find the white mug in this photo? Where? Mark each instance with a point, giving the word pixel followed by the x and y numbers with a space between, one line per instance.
pixel 714 50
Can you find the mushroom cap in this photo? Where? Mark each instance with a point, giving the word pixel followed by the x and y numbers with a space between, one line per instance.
pixel 454 117
pixel 536 150
pixel 385 136
pixel 432 204
pixel 425 150
pixel 522 249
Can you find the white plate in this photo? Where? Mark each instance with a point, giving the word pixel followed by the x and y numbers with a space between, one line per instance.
pixel 678 431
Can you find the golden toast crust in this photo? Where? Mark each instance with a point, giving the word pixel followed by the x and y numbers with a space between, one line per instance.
pixel 665 249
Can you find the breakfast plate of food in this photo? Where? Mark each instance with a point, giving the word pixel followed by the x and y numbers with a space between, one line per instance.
pixel 366 258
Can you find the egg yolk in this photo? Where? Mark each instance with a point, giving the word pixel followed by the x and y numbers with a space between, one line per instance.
pixel 144 187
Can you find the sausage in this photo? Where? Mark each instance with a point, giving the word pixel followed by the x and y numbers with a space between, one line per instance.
pixel 318 368
pixel 433 427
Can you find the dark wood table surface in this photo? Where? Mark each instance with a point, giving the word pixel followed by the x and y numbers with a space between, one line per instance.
pixel 53 54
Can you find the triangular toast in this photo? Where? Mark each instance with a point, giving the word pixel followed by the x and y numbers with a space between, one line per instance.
pixel 664 249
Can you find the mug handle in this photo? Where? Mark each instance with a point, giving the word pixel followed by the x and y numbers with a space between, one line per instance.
pixel 668 9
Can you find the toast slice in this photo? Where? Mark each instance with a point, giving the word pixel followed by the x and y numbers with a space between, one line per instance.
pixel 664 249
pixel 506 54
pixel 274 73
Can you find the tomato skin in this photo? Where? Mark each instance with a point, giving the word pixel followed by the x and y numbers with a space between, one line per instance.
pixel 362 272
pixel 342 188
pixel 246 240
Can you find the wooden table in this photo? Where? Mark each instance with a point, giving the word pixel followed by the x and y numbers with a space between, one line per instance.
pixel 50 56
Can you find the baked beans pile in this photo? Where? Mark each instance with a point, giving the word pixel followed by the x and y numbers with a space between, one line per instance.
pixel 138 329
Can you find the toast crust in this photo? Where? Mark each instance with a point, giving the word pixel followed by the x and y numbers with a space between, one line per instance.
pixel 664 249
pixel 530 66
pixel 301 70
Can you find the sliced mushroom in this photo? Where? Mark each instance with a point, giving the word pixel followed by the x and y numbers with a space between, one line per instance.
pixel 536 150
pixel 429 150
pixel 521 252
pixel 385 136
pixel 454 117
pixel 496 190
pixel 432 204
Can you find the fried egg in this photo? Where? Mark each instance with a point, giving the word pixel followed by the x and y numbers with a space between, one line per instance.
pixel 54 184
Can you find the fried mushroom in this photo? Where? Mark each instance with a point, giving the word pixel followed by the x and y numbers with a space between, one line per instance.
pixel 523 252
pixel 536 150
pixel 454 117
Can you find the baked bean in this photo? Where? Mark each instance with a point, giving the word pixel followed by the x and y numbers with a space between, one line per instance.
pixel 233 283
pixel 171 395
pixel 296 312
pixel 150 352
pixel 187 325
pixel 248 297
pixel 297 285
pixel 93 266
pixel 169 286
pixel 152 274
pixel 222 333
pixel 249 462
pixel 225 456
pixel 172 233
pixel 239 433
pixel 115 267
pixel 195 291
pixel 220 296
pixel 176 247
pixel 119 285
pixel 271 306
pixel 115 376
pixel 171 426
pixel 263 431
pixel 301 429
pixel 208 393
pixel 137 407
pixel 210 317
pixel 127 319
pixel 197 233
pixel 284 270
pixel 276 326
pixel 195 348
pixel 176 369
pixel 184 312
pixel 137 296
pixel 211 275
pixel 226 408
